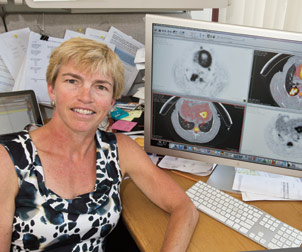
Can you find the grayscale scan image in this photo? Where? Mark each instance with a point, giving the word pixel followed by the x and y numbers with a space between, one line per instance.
pixel 198 72
pixel 284 136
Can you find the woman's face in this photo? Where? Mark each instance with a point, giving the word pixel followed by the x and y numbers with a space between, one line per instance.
pixel 82 100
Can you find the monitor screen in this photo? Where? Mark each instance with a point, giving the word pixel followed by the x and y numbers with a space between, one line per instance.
pixel 17 110
pixel 224 94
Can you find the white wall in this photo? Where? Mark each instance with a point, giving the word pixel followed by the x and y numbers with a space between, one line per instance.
pixel 205 15
pixel 272 14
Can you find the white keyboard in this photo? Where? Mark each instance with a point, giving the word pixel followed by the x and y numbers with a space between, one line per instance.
pixel 248 220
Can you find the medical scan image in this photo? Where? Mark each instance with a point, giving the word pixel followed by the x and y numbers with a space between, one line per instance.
pixel 195 121
pixel 276 80
pixel 284 136
pixel 286 85
pixel 198 122
pixel 197 71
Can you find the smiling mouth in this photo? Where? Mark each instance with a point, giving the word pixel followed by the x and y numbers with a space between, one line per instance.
pixel 83 111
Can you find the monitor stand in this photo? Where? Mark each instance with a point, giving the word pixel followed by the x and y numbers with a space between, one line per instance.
pixel 222 178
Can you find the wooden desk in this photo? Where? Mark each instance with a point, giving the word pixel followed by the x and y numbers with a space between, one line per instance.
pixel 147 223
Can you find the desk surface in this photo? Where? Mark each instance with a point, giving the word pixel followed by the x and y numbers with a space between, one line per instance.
pixel 147 223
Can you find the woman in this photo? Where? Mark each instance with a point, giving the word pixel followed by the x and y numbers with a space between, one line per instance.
pixel 60 183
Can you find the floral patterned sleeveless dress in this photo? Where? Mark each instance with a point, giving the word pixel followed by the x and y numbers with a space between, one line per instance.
pixel 43 220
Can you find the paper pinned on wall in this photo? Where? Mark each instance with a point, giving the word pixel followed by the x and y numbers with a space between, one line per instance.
pixel 26 57
pixel 13 47
pixel 37 58
pixel 126 48
pixel 20 80
pixel 73 34
pixel 6 79
pixel 96 34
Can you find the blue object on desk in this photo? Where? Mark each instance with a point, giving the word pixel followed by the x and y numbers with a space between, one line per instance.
pixel 118 114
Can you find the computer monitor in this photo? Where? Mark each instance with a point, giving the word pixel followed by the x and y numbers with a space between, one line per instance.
pixel 224 94
pixel 17 110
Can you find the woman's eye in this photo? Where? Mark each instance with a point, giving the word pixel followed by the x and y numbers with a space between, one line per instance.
pixel 101 87
pixel 71 81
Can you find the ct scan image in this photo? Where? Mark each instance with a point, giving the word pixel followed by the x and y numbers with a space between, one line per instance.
pixel 199 70
pixel 286 85
pixel 284 135
pixel 199 122
pixel 272 133
pixel 186 68
pixel 276 80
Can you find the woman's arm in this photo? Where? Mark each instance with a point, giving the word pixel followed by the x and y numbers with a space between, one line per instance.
pixel 8 192
pixel 161 189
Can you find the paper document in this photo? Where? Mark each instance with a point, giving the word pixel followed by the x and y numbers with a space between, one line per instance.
pixel 140 93
pixel 13 47
pixel 96 34
pixel 6 79
pixel 248 196
pixel 37 58
pixel 73 34
pixel 126 48
pixel 268 186
pixel 19 81
pixel 24 58
pixel 123 125
pixel 133 114
pixel 186 165
pixel 140 59
pixel 154 158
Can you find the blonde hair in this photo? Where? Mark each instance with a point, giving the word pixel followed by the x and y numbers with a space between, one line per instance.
pixel 89 56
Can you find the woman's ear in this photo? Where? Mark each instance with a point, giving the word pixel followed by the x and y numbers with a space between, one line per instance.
pixel 112 103
pixel 51 92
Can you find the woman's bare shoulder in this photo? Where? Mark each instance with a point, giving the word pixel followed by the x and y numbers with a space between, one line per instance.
pixel 8 175
pixel 4 156
pixel 127 144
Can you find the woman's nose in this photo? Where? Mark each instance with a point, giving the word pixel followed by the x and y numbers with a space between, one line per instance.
pixel 85 94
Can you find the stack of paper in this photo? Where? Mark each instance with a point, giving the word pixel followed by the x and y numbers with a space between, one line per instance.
pixel 24 57
pixel 186 165
pixel 13 47
pixel 257 185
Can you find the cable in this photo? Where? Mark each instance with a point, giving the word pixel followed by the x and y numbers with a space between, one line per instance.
pixel 3 12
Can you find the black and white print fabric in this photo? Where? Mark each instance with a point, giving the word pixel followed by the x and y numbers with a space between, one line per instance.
pixel 44 221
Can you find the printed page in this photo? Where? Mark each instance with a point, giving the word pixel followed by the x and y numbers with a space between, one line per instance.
pixel 73 34
pixel 96 34
pixel 13 46
pixel 126 48
pixel 248 196
pixel 19 82
pixel 272 186
pixel 37 59
pixel 140 59
pixel 186 165
pixel 6 79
